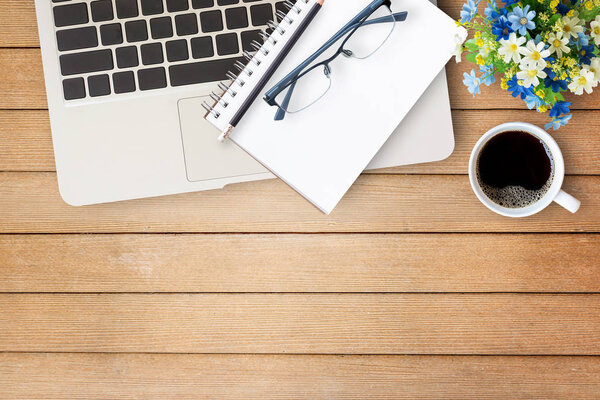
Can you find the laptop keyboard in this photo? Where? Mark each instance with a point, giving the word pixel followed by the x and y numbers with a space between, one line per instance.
pixel 111 47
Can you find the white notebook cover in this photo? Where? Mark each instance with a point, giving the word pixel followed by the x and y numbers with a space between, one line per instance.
pixel 321 151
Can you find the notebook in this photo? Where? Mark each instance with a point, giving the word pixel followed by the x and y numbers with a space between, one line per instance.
pixel 321 151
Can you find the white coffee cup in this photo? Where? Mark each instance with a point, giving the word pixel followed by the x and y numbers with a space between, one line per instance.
pixel 554 193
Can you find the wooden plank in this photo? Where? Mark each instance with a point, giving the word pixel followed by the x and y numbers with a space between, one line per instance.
pixel 22 83
pixel 300 263
pixel 18 27
pixel 25 141
pixel 30 203
pixel 494 324
pixel 26 145
pixel 23 86
pixel 173 376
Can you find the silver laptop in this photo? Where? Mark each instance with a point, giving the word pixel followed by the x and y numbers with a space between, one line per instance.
pixel 125 80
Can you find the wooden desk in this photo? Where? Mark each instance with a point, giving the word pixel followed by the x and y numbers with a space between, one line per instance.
pixel 411 288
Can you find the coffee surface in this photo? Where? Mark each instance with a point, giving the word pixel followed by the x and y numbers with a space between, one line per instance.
pixel 515 169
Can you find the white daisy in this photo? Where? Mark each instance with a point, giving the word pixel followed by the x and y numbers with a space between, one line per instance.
pixel 511 48
pixel 594 68
pixel 571 26
pixel 459 39
pixel 595 30
pixel 534 54
pixel 558 44
pixel 583 81
pixel 529 74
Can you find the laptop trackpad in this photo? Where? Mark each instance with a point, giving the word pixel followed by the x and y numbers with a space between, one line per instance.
pixel 205 157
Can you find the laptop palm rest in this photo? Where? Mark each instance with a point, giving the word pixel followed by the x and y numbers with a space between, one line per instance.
pixel 205 158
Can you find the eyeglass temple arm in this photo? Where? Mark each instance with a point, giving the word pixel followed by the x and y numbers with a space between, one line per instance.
pixel 280 114
pixel 398 17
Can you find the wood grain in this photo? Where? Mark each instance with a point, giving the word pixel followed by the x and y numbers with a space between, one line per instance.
pixel 22 86
pixel 26 145
pixel 260 377
pixel 518 324
pixel 30 203
pixel 300 263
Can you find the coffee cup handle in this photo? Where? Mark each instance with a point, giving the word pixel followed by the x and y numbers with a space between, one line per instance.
pixel 567 201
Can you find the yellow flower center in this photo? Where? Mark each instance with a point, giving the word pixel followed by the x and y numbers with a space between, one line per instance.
pixel 536 56
pixel 597 30
pixel 556 43
pixel 582 52
pixel 582 81
pixel 513 47
pixel 523 21
pixel 532 73
pixel 567 28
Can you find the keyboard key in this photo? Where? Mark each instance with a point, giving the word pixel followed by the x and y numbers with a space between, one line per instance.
pixel 227 44
pixel 98 85
pixel 202 47
pixel 177 5
pixel 152 7
pixel 78 38
pixel 177 50
pixel 153 78
pixel 127 57
pixel 124 82
pixel 211 21
pixel 261 14
pixel 196 4
pixel 186 24
pixel 161 27
pixel 248 37
pixel 126 8
pixel 227 2
pixel 111 34
pixel 90 61
pixel 151 53
pixel 102 10
pixel 236 18
pixel 136 31
pixel 74 88
pixel 200 72
pixel 70 14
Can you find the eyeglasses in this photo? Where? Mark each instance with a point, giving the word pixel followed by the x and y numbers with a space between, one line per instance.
pixel 364 35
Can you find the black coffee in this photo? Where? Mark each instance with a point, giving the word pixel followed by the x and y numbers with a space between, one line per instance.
pixel 515 169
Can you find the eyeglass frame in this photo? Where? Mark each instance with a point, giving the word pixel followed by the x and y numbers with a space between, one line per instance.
pixel 289 81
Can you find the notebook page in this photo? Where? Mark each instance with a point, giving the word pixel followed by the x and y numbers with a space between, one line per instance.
pixel 321 151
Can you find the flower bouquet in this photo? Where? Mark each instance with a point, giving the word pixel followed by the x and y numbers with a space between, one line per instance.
pixel 538 48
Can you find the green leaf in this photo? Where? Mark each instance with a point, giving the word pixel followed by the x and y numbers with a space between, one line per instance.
pixel 558 97
pixel 554 18
pixel 471 46
pixel 471 58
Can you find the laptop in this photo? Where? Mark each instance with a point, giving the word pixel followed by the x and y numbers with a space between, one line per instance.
pixel 125 80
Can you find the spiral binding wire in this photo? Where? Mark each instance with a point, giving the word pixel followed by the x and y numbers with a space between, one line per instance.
pixel 246 69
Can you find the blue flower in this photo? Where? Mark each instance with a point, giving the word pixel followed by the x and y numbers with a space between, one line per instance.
pixel 510 2
pixel 469 9
pixel 492 12
pixel 561 107
pixel 586 53
pixel 562 9
pixel 582 40
pixel 558 122
pixel 553 82
pixel 501 28
pixel 472 82
pixel 487 74
pixel 522 19
pixel 516 89
pixel 533 101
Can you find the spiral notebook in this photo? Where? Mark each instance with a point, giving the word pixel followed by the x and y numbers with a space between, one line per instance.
pixel 321 151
